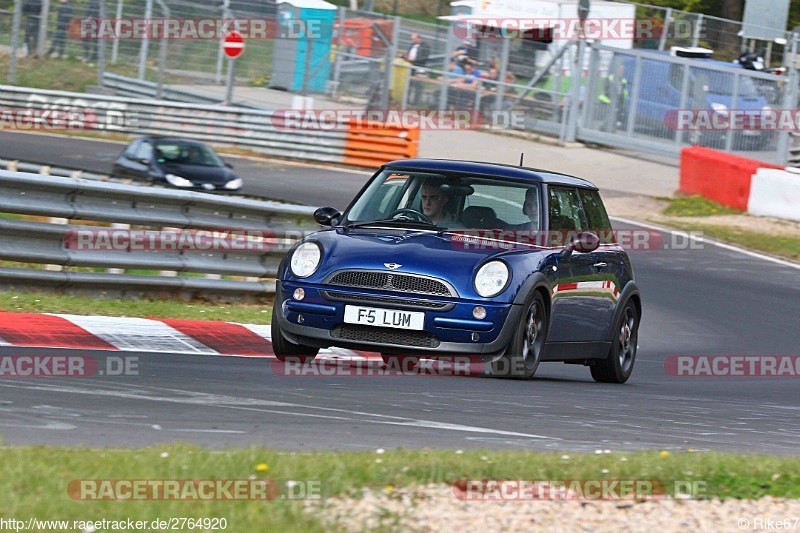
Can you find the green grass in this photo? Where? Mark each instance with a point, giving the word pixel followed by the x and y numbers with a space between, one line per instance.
pixel 33 480
pixel 70 74
pixel 35 302
pixel 788 247
pixel 696 206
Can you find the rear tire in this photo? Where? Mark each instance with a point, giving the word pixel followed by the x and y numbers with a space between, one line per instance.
pixel 618 366
pixel 285 350
pixel 524 353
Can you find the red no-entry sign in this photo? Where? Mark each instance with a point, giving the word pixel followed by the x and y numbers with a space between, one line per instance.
pixel 233 44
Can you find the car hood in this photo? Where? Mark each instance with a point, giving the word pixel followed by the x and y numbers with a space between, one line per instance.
pixel 417 252
pixel 199 174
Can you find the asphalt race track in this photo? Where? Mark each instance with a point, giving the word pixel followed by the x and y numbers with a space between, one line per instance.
pixel 274 180
pixel 708 301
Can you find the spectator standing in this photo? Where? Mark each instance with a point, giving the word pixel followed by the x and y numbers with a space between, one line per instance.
pixel 417 55
pixel 32 10
pixel 90 45
pixel 60 40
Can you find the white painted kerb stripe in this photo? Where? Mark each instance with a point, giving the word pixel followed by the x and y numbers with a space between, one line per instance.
pixel 707 240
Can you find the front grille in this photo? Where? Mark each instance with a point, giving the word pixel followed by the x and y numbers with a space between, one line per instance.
pixel 406 303
pixel 390 281
pixel 357 333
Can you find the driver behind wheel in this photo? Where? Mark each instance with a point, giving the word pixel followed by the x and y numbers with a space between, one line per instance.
pixel 433 202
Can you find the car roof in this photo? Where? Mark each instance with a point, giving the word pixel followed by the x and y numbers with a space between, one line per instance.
pixel 492 169
pixel 706 60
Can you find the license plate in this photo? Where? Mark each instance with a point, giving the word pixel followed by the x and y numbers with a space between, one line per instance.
pixel 387 318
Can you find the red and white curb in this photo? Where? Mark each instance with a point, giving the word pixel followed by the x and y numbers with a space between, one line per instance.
pixel 197 337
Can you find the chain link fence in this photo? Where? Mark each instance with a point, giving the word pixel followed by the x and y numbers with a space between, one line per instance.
pixel 371 60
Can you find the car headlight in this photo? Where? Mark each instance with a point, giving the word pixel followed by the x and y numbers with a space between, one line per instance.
pixel 234 184
pixel 178 181
pixel 305 259
pixel 722 109
pixel 491 279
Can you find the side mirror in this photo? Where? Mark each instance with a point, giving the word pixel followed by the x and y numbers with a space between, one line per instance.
pixel 327 216
pixel 582 242
pixel 228 165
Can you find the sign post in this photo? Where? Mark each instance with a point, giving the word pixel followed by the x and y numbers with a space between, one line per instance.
pixel 233 45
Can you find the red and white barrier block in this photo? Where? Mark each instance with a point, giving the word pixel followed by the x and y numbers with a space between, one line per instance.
pixel 775 193
pixel 747 184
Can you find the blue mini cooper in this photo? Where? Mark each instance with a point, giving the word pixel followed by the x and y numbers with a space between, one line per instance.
pixel 434 257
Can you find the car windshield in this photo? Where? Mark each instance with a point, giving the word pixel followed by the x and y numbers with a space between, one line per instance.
pixel 186 153
pixel 721 83
pixel 449 201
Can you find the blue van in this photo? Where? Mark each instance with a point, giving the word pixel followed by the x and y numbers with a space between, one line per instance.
pixel 710 90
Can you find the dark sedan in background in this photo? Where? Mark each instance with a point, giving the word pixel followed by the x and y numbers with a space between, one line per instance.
pixel 181 163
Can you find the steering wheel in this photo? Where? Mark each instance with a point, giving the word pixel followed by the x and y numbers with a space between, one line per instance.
pixel 413 214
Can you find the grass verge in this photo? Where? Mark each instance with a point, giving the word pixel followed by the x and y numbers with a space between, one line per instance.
pixel 70 73
pixel 34 480
pixel 687 213
pixel 696 206
pixel 35 302
pixel 782 246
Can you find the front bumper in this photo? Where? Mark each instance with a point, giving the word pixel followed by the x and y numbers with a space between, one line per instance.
pixel 447 331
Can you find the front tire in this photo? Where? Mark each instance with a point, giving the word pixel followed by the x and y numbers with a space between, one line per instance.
pixel 524 353
pixel 618 366
pixel 285 350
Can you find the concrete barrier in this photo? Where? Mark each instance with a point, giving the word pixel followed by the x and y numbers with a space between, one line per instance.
pixel 775 193
pixel 718 176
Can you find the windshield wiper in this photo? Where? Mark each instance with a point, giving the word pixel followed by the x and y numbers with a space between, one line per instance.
pixel 402 221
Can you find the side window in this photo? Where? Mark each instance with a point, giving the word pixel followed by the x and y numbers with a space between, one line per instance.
pixel 145 151
pixel 506 203
pixel 566 212
pixel 596 215
pixel 130 151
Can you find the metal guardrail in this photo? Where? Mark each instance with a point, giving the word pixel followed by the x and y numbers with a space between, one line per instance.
pixel 31 167
pixel 68 199
pixel 254 129
pixel 135 88
pixel 34 167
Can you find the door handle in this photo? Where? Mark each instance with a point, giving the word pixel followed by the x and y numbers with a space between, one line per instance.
pixel 600 265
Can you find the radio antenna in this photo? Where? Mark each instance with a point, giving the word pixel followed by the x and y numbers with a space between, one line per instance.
pixel 521 158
